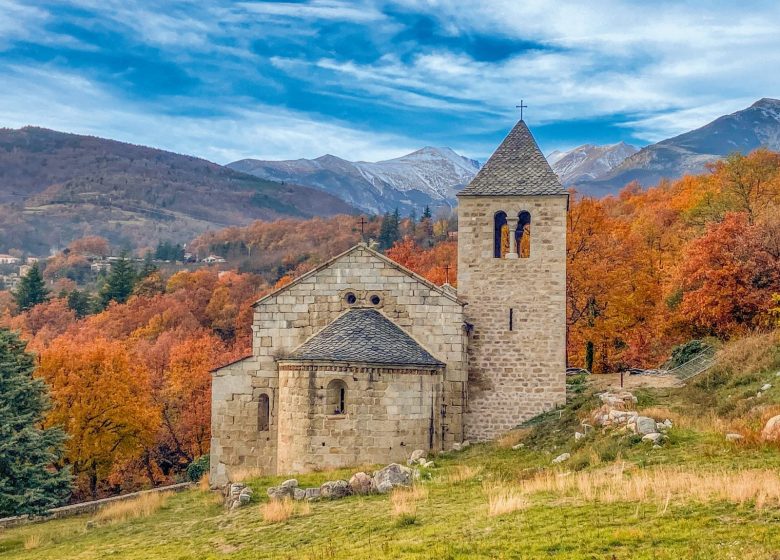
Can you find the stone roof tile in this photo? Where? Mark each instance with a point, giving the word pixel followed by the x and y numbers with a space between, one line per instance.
pixel 364 335
pixel 517 167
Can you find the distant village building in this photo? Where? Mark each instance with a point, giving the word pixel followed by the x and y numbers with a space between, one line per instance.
pixel 11 281
pixel 32 260
pixel 362 361
pixel 100 266
pixel 24 269
pixel 213 259
pixel 9 259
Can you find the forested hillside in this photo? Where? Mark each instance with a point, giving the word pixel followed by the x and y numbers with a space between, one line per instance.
pixel 56 187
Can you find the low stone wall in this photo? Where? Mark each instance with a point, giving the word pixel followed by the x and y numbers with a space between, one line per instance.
pixel 87 507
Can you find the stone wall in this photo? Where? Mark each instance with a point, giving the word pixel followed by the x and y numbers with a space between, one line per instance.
pixel 287 318
pixel 388 414
pixel 513 374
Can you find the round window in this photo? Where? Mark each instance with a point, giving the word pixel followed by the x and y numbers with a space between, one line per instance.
pixel 350 298
pixel 375 300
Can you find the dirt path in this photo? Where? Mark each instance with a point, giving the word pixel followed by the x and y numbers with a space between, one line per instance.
pixel 612 381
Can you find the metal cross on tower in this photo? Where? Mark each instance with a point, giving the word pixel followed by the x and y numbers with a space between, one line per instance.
pixel 362 225
pixel 521 107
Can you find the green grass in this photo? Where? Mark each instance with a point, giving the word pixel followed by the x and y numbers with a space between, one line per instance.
pixel 452 522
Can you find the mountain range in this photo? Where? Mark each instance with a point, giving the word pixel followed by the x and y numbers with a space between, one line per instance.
pixel 743 131
pixel 55 187
pixel 588 162
pixel 430 176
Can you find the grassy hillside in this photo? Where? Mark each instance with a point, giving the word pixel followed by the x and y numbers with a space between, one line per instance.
pixel 55 187
pixel 698 496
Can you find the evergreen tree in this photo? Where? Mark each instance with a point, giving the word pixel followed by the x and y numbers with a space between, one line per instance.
pixel 32 289
pixel 29 483
pixel 148 267
pixel 80 302
pixel 120 282
pixel 426 215
pixel 389 231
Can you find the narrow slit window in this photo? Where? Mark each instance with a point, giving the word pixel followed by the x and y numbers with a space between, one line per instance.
pixel 511 318
pixel 500 235
pixel 263 413
pixel 336 397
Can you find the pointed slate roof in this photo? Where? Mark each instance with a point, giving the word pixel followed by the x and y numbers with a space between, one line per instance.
pixel 517 167
pixel 364 335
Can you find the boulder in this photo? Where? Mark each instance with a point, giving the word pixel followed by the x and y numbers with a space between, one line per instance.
pixel 465 444
pixel 518 446
pixel 290 483
pixel 645 425
pixel 578 436
pixel 734 437
pixel 428 464
pixel 280 492
pixel 360 483
pixel 391 476
pixel 415 457
pixel 653 437
pixel 312 494
pixel 771 431
pixel 561 458
pixel 335 489
pixel 766 387
pixel 299 494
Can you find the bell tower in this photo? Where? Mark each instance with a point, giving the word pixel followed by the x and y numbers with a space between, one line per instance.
pixel 512 276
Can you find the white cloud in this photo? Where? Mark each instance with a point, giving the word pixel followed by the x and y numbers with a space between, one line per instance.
pixel 69 102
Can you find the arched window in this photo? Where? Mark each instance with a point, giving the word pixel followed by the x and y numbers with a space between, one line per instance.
pixel 336 397
pixel 263 413
pixel 500 235
pixel 523 234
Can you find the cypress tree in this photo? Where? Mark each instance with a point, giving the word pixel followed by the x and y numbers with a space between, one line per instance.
pixel 120 282
pixel 32 289
pixel 29 483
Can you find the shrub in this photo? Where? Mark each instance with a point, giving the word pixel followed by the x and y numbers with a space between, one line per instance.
pixel 198 468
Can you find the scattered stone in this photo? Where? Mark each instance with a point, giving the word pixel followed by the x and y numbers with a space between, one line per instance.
pixel 456 446
pixel 771 431
pixel 758 395
pixel 360 483
pixel 312 494
pixel 734 437
pixel 518 446
pixel 417 454
pixel 656 446
pixel 654 437
pixel 428 464
pixel 578 436
pixel 391 476
pixel 645 425
pixel 561 458
pixel 668 423
pixel 465 444
pixel 299 494
pixel 280 492
pixel 244 498
pixel 291 483
pixel 766 387
pixel 334 489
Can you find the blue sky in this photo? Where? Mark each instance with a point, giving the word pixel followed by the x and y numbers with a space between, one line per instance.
pixel 373 80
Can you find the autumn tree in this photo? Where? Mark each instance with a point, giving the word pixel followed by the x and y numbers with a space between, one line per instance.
pixel 102 398
pixel 32 289
pixel 29 481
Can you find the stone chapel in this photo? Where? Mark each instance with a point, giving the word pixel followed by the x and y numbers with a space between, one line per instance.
pixel 363 361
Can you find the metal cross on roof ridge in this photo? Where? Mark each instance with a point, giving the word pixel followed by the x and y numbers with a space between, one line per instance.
pixel 521 107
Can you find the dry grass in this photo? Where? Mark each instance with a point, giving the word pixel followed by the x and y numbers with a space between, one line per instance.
pixel 33 541
pixel 761 487
pixel 277 511
pixel 750 354
pixel 707 421
pixel 403 503
pixel 142 506
pixel 203 483
pixel 504 499
pixel 461 473
pixel 242 474
pixel 512 438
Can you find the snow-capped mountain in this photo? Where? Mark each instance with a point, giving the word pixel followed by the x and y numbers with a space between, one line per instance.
pixel 430 176
pixel 588 162
pixel 754 127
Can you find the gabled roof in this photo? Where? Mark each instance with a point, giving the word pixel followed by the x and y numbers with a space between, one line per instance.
pixel 363 247
pixel 517 167
pixel 365 336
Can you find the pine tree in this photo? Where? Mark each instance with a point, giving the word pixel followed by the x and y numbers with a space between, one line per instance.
pixel 32 289
pixel 29 482
pixel 80 302
pixel 426 215
pixel 389 231
pixel 120 282
pixel 148 267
